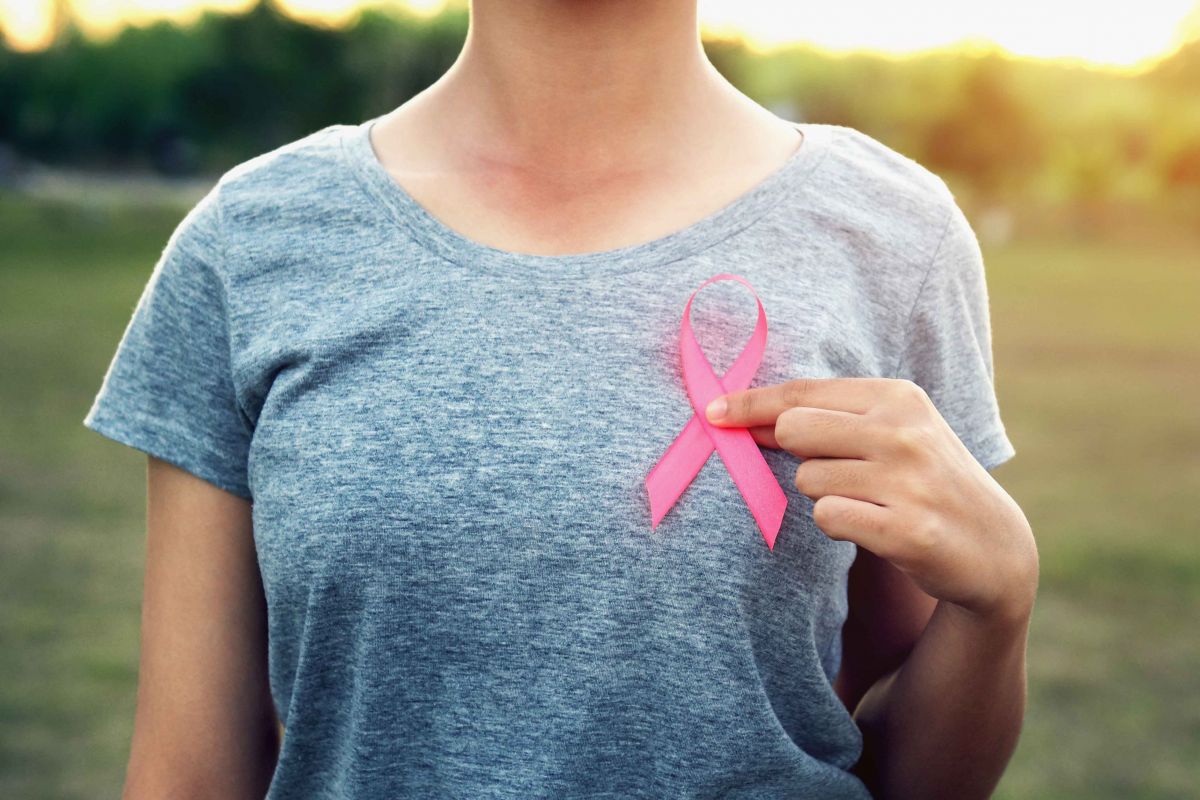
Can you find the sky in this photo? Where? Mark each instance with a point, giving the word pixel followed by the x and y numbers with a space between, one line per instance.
pixel 1109 35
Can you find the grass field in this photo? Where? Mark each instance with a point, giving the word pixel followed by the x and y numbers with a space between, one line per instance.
pixel 1097 348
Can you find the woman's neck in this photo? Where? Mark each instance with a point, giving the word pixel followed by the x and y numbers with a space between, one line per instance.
pixel 585 87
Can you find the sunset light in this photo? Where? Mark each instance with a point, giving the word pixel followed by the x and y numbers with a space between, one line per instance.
pixel 1114 35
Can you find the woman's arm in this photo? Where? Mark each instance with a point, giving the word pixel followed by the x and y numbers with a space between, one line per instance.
pixel 944 688
pixel 887 613
pixel 205 725
pixel 887 472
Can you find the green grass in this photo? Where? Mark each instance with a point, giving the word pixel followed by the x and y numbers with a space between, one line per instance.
pixel 1097 349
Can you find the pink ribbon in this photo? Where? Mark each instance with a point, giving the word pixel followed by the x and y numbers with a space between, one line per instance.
pixel 685 457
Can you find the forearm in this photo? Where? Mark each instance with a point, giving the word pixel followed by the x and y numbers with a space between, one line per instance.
pixel 945 723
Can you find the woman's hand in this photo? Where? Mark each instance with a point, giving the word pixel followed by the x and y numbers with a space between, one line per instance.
pixel 887 472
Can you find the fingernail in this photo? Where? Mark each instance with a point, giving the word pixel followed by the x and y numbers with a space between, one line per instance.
pixel 716 409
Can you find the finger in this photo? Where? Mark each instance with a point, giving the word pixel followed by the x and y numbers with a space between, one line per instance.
pixel 858 521
pixel 764 435
pixel 761 405
pixel 848 477
pixel 821 433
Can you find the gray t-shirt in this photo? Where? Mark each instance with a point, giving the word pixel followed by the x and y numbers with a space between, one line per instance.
pixel 446 445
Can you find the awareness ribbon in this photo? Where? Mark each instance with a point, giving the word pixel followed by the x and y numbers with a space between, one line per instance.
pixel 685 457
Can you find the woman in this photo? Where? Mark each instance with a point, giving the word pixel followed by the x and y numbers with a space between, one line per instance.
pixel 401 383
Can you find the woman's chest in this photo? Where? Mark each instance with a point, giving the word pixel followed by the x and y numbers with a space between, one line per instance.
pixel 510 430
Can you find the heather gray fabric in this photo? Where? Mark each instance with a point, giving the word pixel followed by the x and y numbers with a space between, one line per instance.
pixel 446 443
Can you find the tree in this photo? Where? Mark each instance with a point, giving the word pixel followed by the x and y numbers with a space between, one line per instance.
pixel 987 134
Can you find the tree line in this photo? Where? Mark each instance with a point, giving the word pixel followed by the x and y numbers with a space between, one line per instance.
pixel 197 99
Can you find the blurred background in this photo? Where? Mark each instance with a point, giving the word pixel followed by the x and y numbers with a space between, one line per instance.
pixel 1069 132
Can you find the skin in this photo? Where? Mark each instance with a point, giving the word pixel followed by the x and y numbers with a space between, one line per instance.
pixel 951 567
pixel 519 146
pixel 205 725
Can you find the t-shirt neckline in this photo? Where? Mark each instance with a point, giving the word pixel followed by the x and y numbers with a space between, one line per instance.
pixel 738 214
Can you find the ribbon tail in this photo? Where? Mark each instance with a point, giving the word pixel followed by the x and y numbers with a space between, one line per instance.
pixel 677 468
pixel 754 479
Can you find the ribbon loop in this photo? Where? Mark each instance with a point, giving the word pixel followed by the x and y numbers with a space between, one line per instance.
pixel 690 450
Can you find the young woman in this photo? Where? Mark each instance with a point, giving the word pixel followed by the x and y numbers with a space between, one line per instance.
pixel 402 381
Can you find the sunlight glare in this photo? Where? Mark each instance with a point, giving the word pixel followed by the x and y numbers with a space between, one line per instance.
pixel 1100 34
pixel 1107 34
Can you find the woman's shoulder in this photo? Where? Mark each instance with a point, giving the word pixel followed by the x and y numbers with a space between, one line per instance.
pixel 285 197
pixel 876 195
pixel 296 164
pixel 874 170
pixel 883 205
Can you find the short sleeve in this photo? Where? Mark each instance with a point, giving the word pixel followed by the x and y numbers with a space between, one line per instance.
pixel 169 389
pixel 947 345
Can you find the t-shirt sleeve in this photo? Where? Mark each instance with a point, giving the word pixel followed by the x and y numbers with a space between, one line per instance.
pixel 947 345
pixel 169 389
